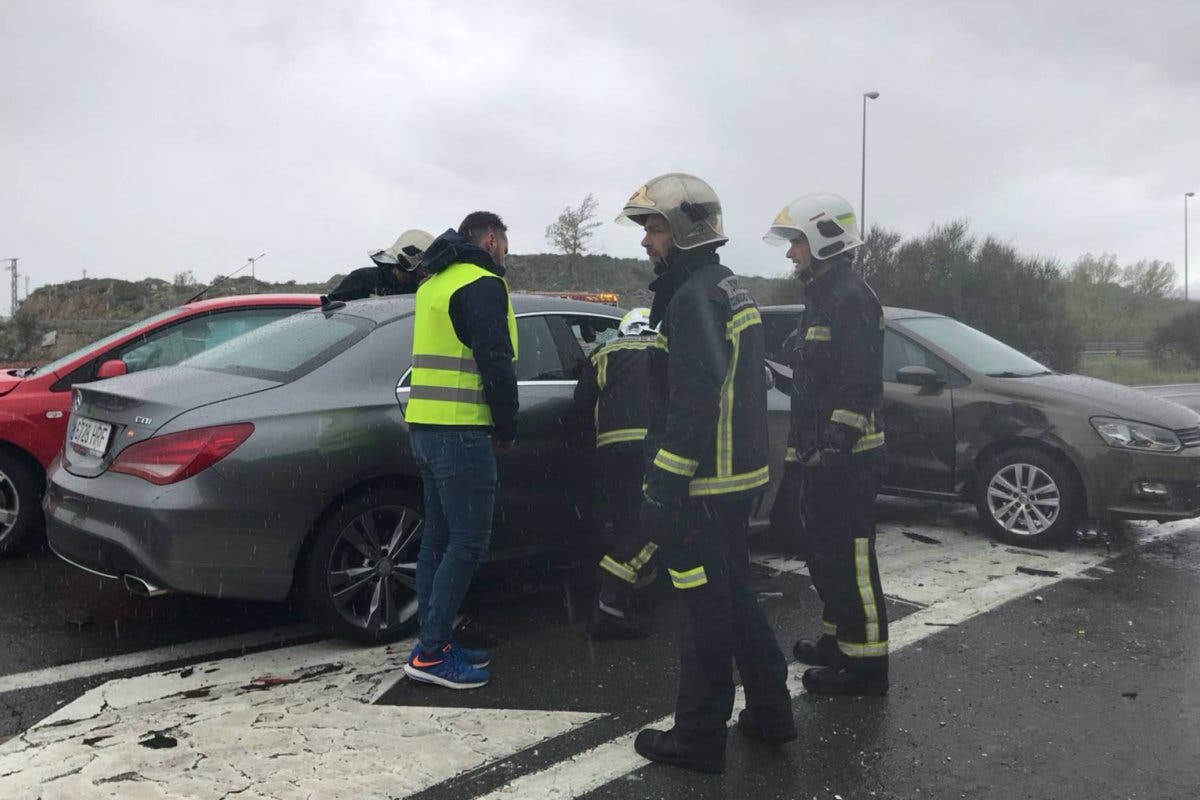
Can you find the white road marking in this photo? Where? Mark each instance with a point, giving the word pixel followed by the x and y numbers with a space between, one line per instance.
pixel 291 723
pixel 150 658
pixel 960 588
pixel 313 731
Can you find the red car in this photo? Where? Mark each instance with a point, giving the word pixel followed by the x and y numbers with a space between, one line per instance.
pixel 35 404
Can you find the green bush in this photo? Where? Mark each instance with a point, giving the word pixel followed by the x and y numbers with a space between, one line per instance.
pixel 1178 338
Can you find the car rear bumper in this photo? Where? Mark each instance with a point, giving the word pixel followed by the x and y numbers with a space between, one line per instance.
pixel 171 536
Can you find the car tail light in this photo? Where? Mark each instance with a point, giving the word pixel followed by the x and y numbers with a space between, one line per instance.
pixel 177 456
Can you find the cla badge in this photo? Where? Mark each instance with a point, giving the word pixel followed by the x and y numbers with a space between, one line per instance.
pixel 76 401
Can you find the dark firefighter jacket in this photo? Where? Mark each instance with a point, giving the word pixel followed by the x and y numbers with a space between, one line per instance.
pixel 708 398
pixel 837 398
pixel 371 282
pixel 479 312
pixel 614 389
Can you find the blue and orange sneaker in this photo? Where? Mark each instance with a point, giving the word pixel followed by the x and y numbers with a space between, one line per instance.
pixel 446 668
pixel 476 658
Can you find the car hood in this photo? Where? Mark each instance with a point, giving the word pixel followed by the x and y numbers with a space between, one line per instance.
pixel 10 379
pixel 1095 397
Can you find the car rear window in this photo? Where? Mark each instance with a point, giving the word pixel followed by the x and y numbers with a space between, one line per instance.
pixel 285 350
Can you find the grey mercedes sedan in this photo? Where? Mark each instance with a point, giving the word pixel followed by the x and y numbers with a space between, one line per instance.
pixel 279 462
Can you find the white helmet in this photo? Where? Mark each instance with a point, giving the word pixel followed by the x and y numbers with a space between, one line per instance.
pixel 826 220
pixel 635 322
pixel 406 252
pixel 690 206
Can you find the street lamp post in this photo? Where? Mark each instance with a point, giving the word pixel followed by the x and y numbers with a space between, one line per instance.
pixel 862 196
pixel 252 261
pixel 1186 195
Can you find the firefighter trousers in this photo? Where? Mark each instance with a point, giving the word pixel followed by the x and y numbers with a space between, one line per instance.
pixel 629 562
pixel 839 510
pixel 722 623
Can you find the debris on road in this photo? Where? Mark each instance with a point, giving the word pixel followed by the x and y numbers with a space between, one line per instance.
pixel 1044 573
pixel 1130 695
pixel 264 682
pixel 918 537
pixel 159 741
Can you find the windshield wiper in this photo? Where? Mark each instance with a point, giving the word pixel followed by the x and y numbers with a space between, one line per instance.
pixel 1010 374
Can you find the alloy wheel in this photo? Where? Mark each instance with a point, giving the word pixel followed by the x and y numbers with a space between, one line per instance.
pixel 372 572
pixel 1024 499
pixel 10 506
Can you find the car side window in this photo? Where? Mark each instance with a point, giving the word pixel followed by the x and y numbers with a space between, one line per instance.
pixel 777 328
pixel 538 357
pixel 900 352
pixel 591 332
pixel 173 344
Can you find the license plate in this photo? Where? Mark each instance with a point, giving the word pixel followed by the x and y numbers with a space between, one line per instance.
pixel 91 435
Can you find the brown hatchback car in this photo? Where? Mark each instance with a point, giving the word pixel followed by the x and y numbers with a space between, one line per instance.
pixel 969 418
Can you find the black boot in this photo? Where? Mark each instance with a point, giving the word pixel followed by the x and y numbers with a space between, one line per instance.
pixel 769 728
pixel 663 747
pixel 617 619
pixel 848 679
pixel 822 653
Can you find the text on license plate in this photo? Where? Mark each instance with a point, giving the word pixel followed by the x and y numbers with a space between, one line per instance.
pixel 91 435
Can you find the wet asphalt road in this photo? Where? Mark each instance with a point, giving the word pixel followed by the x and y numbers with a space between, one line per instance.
pixel 1087 690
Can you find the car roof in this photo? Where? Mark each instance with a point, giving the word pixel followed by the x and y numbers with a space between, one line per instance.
pixel 387 308
pixel 239 300
pixel 889 312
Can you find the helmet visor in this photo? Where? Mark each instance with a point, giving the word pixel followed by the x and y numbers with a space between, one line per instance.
pixel 778 235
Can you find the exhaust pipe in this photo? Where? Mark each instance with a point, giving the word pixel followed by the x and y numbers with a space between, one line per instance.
pixel 139 587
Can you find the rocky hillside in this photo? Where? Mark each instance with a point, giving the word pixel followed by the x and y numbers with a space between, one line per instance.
pixel 59 318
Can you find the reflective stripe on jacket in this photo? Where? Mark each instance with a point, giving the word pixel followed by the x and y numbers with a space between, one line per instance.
pixel 614 390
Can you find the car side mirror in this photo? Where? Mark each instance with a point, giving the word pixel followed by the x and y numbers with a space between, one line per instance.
pixel 924 377
pixel 111 369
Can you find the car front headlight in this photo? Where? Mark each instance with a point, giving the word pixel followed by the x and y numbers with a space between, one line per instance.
pixel 1136 435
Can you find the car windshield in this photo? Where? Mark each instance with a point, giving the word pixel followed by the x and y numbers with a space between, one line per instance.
pixel 975 349
pixel 285 350
pixel 59 363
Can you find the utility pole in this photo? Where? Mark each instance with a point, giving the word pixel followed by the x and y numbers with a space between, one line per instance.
pixel 252 260
pixel 26 288
pixel 862 195
pixel 1186 195
pixel 85 274
pixel 16 283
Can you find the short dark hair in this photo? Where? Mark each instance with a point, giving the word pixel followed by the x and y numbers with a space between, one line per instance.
pixel 477 224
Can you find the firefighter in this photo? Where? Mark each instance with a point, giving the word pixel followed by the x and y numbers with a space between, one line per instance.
pixel 397 270
pixel 837 436
pixel 613 389
pixel 706 461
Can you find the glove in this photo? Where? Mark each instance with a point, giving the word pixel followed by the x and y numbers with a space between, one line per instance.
pixel 659 519
pixel 837 436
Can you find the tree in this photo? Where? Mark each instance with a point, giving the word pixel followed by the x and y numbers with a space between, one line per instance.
pixel 185 279
pixel 574 227
pixel 988 285
pixel 1150 278
pixel 1090 269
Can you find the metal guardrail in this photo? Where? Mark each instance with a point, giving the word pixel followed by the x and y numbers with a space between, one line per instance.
pixel 1118 349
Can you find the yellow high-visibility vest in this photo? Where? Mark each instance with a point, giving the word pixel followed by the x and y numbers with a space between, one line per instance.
pixel 446 387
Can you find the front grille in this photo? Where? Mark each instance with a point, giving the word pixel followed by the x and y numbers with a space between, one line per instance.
pixel 1189 437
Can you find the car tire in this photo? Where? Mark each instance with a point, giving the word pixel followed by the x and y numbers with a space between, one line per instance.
pixel 358 576
pixel 1028 497
pixel 20 503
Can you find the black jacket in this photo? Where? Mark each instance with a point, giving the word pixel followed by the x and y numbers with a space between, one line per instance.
pixel 708 396
pixel 479 313
pixel 837 398
pixel 613 390
pixel 371 282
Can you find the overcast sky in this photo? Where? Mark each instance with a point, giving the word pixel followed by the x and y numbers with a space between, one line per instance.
pixel 143 138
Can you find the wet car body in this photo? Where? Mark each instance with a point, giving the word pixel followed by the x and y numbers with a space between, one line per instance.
pixel 961 434
pixel 35 404
pixel 325 484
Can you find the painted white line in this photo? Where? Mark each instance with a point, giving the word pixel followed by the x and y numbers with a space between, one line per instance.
pixel 962 594
pixel 287 724
pixel 149 658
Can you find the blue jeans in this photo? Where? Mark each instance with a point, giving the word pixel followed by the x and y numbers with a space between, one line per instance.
pixel 458 469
